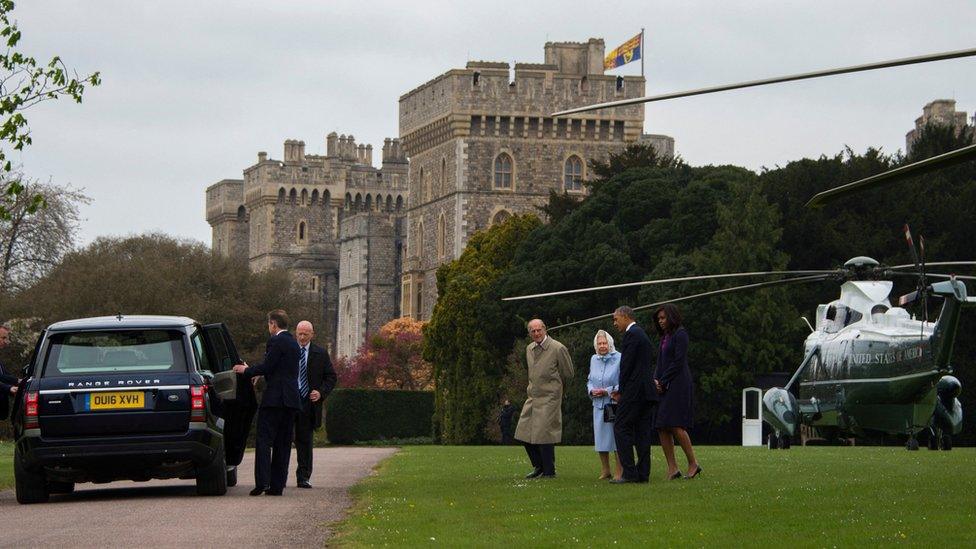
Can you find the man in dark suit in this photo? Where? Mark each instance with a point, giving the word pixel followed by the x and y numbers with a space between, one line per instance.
pixel 8 383
pixel 281 401
pixel 316 379
pixel 636 397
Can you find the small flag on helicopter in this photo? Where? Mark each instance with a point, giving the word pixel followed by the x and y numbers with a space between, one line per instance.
pixel 625 53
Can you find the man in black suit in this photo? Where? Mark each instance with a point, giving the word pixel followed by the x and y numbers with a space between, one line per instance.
pixel 316 379
pixel 636 396
pixel 8 383
pixel 281 401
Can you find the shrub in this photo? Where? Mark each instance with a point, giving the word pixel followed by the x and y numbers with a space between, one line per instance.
pixel 370 414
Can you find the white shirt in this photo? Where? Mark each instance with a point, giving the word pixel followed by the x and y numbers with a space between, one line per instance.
pixel 629 325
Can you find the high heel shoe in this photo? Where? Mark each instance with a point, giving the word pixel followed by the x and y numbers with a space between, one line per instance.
pixel 697 472
pixel 675 476
pixel 604 476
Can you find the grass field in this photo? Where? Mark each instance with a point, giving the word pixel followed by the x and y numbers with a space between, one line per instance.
pixel 812 497
pixel 6 465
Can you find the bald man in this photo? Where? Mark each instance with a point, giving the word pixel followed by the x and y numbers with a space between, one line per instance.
pixel 316 379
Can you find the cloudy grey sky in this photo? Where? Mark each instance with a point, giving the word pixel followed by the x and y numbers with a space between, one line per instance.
pixel 194 89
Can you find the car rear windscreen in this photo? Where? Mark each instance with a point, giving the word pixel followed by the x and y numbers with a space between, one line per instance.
pixel 115 351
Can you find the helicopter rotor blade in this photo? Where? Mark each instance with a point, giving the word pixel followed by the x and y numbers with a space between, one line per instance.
pixel 776 80
pixel 757 285
pixel 669 280
pixel 951 158
pixel 911 246
pixel 936 275
pixel 934 264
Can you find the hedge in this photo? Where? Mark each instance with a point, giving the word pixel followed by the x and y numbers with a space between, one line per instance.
pixel 370 414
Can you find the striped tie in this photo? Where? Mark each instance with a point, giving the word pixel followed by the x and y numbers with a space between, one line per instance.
pixel 303 373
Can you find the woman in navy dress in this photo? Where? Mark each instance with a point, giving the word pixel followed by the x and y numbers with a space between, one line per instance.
pixel 601 383
pixel 673 381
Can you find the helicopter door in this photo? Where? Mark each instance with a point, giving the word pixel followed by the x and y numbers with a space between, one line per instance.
pixel 752 416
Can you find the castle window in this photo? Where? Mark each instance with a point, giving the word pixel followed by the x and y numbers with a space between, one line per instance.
pixel 281 194
pixel 584 85
pixel 420 300
pixel 315 196
pixel 315 283
pixel 503 125
pixel 503 171
pixel 573 174
pixel 561 128
pixel 441 236
pixel 348 201
pixel 476 125
pixel 576 128
pixel 519 126
pixel 419 252
pixel 399 203
pixel 369 202
pixel 420 187
pixel 326 198
pixel 475 78
pixel 293 196
pixel 241 213
pixel 533 126
pixel 500 217
pixel 389 203
pixel 443 188
pixel 301 232
pixel 359 202
pixel 304 197
pixel 620 83
pixel 618 130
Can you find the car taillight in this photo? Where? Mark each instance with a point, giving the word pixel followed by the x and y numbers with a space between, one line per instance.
pixel 30 410
pixel 198 405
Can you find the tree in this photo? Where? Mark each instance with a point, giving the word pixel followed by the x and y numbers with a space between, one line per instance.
pixel 33 242
pixel 158 274
pixel 389 359
pixel 25 83
pixel 469 360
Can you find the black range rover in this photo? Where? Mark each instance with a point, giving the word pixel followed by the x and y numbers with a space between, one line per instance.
pixel 130 397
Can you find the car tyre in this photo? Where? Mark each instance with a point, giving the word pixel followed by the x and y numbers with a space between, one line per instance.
pixel 212 478
pixel 231 476
pixel 30 487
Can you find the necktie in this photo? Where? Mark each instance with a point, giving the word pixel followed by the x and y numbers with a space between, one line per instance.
pixel 303 373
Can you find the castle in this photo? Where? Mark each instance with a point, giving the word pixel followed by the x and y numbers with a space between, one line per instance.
pixel 364 244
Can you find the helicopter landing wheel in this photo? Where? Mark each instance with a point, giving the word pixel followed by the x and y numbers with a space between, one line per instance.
pixel 912 444
pixel 946 442
pixel 772 442
pixel 784 441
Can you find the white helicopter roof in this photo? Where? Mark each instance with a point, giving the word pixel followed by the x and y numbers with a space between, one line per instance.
pixel 862 295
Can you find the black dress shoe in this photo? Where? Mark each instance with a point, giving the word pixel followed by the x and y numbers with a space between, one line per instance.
pixel 623 480
pixel 533 474
pixel 304 484
pixel 274 492
pixel 550 475
pixel 258 491
pixel 697 472
pixel 675 476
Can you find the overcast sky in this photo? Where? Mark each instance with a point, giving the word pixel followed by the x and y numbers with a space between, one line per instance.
pixel 194 89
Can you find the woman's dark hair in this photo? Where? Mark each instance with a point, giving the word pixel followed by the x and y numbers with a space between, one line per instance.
pixel 673 316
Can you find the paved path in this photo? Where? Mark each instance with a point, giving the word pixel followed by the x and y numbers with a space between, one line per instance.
pixel 169 513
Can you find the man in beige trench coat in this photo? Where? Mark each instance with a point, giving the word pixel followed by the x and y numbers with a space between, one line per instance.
pixel 540 426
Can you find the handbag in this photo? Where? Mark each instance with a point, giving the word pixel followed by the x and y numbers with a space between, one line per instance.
pixel 610 412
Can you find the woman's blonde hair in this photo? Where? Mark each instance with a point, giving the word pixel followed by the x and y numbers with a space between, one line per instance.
pixel 609 338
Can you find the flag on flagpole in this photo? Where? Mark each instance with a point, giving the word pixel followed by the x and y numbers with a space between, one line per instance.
pixel 625 53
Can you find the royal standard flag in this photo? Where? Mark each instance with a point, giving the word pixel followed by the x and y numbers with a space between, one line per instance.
pixel 627 52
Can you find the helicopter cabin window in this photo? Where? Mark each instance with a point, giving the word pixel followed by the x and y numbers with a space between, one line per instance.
pixel 878 313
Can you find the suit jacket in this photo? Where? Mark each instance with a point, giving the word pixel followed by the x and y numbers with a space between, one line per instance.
pixel 636 374
pixel 321 377
pixel 280 371
pixel 6 382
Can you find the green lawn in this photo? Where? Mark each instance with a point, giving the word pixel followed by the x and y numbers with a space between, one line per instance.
pixel 6 465
pixel 817 496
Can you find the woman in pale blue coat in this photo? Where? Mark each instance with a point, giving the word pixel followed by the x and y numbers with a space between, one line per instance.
pixel 603 380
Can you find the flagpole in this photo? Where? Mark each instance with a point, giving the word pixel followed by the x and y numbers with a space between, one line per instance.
pixel 642 52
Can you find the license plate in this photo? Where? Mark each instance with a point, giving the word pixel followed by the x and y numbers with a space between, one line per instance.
pixel 116 401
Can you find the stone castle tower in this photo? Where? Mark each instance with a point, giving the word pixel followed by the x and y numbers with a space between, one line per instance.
pixel 942 112
pixel 483 146
pixel 289 214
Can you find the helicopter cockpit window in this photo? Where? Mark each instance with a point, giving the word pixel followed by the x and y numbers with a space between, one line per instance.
pixel 835 318
pixel 852 317
pixel 878 312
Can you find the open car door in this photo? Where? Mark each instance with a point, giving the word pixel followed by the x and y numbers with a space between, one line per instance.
pixel 235 393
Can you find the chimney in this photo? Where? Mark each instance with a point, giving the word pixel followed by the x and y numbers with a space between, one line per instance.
pixel 300 151
pixel 369 155
pixel 262 156
pixel 396 149
pixel 386 150
pixel 350 147
pixel 331 144
pixel 361 153
pixel 289 150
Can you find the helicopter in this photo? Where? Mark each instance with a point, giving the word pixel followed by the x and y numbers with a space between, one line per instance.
pixel 868 365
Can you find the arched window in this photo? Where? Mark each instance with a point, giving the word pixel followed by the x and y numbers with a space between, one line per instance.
pixel 359 202
pixel 419 251
pixel 315 196
pixel 573 174
pixel 281 194
pixel 293 196
pixel 441 236
pixel 369 202
pixel 241 213
pixel 500 217
pixel 389 203
pixel 348 201
pixel 301 232
pixel 399 203
pixel 326 198
pixel 421 191
pixel 443 189
pixel 304 197
pixel 503 171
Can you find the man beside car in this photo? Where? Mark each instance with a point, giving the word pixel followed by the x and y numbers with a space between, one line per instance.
pixel 316 379
pixel 280 403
